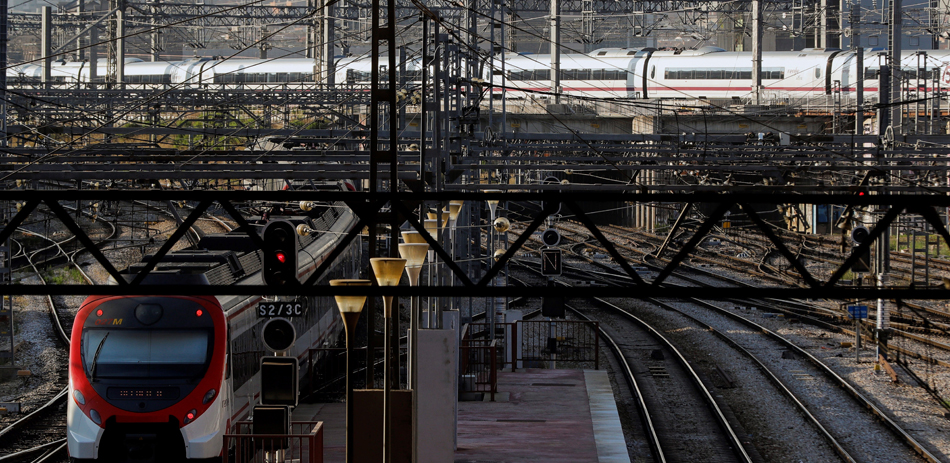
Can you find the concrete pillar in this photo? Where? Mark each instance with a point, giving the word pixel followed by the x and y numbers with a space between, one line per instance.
pixel 46 44
pixel 757 51
pixel 93 53
pixel 120 46
pixel 437 406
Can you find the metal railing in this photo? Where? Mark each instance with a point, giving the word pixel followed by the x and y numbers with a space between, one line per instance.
pixel 560 343
pixel 546 344
pixel 506 335
pixel 478 364
pixel 304 444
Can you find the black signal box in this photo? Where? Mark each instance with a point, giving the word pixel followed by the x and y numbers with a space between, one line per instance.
pixel 550 261
pixel 279 381
pixel 271 419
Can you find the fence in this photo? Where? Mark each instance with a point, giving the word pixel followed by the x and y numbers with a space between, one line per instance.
pixel 570 343
pixel 303 445
pixel 478 364
pixel 556 343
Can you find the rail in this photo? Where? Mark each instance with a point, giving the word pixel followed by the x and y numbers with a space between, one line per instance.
pixel 304 444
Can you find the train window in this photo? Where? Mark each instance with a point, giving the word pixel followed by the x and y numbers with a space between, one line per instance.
pixel 602 53
pixel 598 74
pixel 612 75
pixel 872 73
pixel 817 73
pixel 699 74
pixel 714 74
pixel 147 353
pixel 631 53
pixel 653 72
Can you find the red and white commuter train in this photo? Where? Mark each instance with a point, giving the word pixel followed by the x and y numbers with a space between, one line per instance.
pixel 162 378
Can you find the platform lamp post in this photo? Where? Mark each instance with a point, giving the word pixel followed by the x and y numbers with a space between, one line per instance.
pixel 413 236
pixel 455 207
pixel 415 255
pixel 350 308
pixel 388 270
pixel 432 227
pixel 490 310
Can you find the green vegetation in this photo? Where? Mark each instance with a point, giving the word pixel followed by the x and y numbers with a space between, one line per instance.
pixel 62 276
pixel 936 247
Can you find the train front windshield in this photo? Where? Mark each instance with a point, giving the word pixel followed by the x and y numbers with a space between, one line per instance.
pixel 146 353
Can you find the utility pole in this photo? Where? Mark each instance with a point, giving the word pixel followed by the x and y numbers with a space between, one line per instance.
pixel 115 66
pixel 894 62
pixel 329 40
pixel 855 24
pixel 556 50
pixel 155 37
pixel 46 45
pixel 263 46
pixel 3 77
pixel 757 51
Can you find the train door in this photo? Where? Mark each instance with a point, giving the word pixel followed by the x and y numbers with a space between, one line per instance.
pixel 205 73
pixel 843 70
pixel 637 78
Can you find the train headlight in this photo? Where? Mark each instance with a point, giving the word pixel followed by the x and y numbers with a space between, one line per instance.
pixel 79 397
pixel 209 396
pixel 95 417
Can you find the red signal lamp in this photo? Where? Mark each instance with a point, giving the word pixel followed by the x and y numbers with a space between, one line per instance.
pixel 199 312
pixel 281 257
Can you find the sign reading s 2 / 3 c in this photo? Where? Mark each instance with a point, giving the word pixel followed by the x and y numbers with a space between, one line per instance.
pixel 281 309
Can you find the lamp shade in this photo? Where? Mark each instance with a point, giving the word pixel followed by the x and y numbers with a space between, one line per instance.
pixel 412 236
pixel 432 226
pixel 434 215
pixel 454 208
pixel 388 270
pixel 414 253
pixel 350 304
pixel 492 202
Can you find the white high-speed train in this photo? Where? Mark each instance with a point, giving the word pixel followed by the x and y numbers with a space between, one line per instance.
pixel 708 72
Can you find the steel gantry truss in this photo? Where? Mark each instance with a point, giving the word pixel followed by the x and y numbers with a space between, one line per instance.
pixel 367 206
pixel 151 26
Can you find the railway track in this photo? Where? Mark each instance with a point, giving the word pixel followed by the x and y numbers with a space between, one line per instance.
pixel 864 402
pixel 679 414
pixel 37 436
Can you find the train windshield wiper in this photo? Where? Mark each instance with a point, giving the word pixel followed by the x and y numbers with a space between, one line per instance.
pixel 95 358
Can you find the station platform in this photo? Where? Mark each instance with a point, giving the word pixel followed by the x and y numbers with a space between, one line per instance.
pixel 538 415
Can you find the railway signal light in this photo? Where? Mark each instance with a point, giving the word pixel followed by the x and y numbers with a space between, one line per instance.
pixel 860 235
pixel 551 237
pixel 280 254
